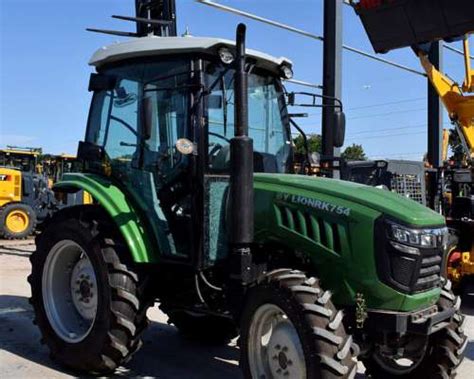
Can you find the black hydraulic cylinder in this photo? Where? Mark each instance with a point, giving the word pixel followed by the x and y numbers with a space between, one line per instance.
pixel 241 156
pixel 435 131
pixel 435 112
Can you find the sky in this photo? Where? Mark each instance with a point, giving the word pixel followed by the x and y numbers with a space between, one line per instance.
pixel 44 72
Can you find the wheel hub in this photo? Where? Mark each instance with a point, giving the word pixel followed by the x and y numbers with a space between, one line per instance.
pixel 285 351
pixel 17 221
pixel 83 288
pixel 283 360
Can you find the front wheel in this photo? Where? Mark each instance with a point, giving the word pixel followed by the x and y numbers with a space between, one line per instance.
pixel 87 300
pixel 291 329
pixel 436 356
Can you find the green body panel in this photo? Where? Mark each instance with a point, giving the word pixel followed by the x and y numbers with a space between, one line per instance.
pixel 281 204
pixel 119 208
pixel 329 222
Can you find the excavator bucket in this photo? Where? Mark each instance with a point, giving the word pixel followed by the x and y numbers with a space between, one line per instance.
pixel 393 24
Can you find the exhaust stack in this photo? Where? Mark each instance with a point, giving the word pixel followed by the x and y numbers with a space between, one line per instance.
pixel 241 179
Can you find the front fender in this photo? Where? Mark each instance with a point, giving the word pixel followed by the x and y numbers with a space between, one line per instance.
pixel 120 209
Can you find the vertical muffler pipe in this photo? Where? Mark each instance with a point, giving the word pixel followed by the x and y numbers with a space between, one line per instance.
pixel 241 175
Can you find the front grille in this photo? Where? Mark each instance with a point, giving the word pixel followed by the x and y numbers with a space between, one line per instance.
pixel 410 273
pixel 430 271
pixel 402 268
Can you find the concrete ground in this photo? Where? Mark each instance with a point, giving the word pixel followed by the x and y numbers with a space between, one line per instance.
pixel 164 354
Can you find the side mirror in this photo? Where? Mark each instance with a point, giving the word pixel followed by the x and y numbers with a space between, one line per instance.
pixel 339 128
pixel 291 99
pixel 90 152
pixel 147 117
pixel 101 82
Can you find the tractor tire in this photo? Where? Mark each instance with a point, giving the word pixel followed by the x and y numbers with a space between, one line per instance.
pixel 290 328
pixel 204 328
pixel 88 300
pixel 444 350
pixel 17 221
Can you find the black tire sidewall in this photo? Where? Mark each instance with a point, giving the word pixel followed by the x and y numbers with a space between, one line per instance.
pixel 7 209
pixel 91 345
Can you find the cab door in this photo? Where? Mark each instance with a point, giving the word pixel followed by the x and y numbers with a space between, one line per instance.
pixel 149 170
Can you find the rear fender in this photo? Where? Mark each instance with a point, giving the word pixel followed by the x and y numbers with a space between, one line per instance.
pixel 114 201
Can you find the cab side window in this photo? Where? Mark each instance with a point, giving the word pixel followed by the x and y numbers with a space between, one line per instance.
pixel 121 139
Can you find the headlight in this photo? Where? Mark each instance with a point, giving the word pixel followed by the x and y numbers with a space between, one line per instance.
pixel 287 72
pixel 424 238
pixel 226 55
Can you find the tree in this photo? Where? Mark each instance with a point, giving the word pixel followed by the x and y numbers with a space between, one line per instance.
pixel 351 153
pixel 314 144
pixel 354 153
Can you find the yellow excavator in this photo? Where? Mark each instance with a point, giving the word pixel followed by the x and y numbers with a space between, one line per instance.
pixel 392 24
pixel 55 166
pixel 25 197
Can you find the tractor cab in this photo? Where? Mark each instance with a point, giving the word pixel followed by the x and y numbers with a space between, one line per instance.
pixel 21 158
pixel 161 122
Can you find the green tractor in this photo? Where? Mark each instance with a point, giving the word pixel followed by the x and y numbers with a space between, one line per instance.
pixel 188 157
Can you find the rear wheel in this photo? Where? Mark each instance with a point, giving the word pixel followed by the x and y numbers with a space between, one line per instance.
pixel 436 356
pixel 88 301
pixel 205 328
pixel 290 329
pixel 17 221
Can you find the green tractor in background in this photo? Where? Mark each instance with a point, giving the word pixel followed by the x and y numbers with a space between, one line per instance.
pixel 188 158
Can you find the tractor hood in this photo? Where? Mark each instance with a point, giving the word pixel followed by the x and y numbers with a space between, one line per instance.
pixel 386 202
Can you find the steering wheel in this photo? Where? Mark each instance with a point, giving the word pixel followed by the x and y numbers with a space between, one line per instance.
pixel 215 147
pixel 219 136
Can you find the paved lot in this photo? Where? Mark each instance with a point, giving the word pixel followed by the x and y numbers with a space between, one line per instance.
pixel 164 355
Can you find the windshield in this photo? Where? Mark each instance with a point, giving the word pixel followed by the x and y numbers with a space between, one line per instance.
pixel 23 162
pixel 268 125
pixel 115 117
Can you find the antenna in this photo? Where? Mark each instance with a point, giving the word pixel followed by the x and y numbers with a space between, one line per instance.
pixel 153 17
pixel 113 32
